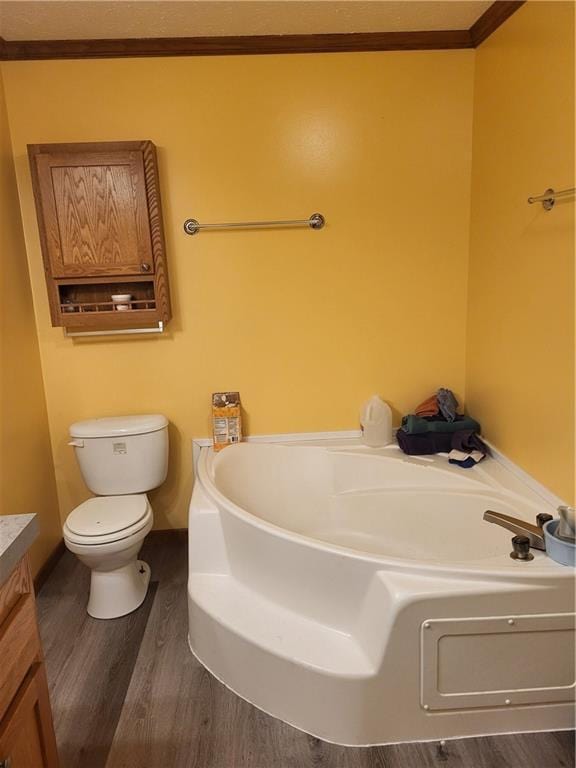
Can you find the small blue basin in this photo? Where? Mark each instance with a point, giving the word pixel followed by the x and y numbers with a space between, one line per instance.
pixel 563 552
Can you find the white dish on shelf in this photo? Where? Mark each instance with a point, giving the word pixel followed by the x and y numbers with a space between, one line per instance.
pixel 120 301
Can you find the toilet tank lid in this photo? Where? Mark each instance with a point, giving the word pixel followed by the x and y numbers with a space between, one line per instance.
pixel 116 426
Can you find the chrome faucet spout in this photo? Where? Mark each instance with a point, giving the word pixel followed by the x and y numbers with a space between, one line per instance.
pixel 518 527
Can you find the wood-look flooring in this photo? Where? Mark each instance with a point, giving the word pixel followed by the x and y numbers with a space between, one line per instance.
pixel 128 693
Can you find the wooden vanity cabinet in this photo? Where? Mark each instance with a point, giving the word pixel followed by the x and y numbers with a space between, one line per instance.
pixel 100 222
pixel 26 731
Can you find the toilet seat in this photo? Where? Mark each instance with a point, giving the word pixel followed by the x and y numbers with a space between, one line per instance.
pixel 106 519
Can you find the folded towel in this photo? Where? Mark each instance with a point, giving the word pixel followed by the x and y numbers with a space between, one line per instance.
pixel 447 403
pixel 468 441
pixel 428 407
pixel 415 425
pixel 424 444
pixel 464 459
pixel 466 463
pixel 467 449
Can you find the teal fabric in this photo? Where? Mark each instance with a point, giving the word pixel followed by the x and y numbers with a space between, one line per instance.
pixel 415 425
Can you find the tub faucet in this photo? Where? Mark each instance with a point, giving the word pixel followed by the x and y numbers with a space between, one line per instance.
pixel 518 527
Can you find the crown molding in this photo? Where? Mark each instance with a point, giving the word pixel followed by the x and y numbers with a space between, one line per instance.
pixel 25 50
pixel 491 19
pixel 30 50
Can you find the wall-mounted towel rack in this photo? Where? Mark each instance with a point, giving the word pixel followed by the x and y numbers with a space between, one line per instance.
pixel 550 196
pixel 117 332
pixel 315 221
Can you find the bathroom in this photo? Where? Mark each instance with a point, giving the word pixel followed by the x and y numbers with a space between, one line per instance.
pixel 420 144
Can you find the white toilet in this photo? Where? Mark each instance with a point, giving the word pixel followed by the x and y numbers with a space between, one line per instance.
pixel 120 459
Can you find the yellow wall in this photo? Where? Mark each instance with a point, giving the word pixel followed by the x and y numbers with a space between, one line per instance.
pixel 26 473
pixel 307 325
pixel 520 344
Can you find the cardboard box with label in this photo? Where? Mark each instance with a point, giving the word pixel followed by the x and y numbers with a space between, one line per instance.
pixel 226 419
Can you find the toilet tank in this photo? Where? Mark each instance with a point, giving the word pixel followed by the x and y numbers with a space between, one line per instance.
pixel 122 454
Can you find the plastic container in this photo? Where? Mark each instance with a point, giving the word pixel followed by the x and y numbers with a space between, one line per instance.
pixel 376 422
pixel 121 301
pixel 563 552
pixel 567 524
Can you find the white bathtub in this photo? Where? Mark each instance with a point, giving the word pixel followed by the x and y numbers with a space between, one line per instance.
pixel 358 594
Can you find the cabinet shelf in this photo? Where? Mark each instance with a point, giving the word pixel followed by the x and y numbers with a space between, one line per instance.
pixel 82 303
pixel 92 320
pixel 107 306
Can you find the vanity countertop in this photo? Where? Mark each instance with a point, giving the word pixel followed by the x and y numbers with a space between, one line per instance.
pixel 17 532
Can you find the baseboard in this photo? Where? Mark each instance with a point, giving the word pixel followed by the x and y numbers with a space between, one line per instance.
pixel 49 565
pixel 157 533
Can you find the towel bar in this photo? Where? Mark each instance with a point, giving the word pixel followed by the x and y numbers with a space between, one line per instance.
pixel 315 221
pixel 550 196
pixel 120 332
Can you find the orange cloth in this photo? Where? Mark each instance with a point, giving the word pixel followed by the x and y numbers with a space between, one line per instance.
pixel 428 407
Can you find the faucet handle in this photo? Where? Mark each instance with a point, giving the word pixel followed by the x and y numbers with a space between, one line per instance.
pixel 519 527
pixel 542 518
pixel 521 548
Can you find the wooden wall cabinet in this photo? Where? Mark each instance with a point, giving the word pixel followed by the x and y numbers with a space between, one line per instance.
pixel 26 731
pixel 100 222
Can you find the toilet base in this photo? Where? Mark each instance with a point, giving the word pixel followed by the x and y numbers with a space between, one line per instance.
pixel 118 592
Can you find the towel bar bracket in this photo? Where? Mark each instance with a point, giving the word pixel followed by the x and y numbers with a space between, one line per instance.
pixel 549 197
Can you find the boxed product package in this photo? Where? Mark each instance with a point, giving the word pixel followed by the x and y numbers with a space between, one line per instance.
pixel 226 419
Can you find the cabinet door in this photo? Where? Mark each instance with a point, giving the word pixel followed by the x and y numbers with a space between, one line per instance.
pixel 26 734
pixel 95 213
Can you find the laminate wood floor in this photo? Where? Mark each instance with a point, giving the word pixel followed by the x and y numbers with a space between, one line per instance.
pixel 128 693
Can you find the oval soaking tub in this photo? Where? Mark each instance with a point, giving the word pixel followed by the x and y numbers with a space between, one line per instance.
pixel 359 596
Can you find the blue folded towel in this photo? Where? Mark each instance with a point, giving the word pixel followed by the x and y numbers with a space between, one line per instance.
pixel 447 403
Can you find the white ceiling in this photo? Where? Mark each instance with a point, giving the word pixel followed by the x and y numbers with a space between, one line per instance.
pixel 85 19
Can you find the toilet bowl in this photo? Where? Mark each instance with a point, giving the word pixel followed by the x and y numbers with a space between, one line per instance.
pixel 120 458
pixel 106 533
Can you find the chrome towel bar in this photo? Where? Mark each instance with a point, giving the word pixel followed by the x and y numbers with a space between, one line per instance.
pixel 550 196
pixel 315 221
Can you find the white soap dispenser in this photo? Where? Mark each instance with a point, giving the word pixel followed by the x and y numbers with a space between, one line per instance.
pixel 376 422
